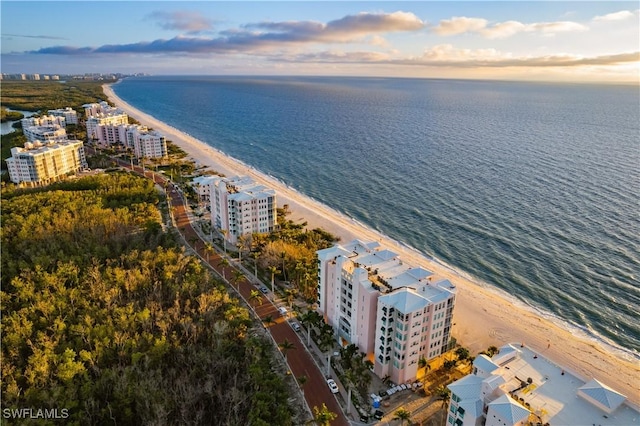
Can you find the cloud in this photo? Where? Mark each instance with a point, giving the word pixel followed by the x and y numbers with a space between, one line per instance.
pixel 503 29
pixel 190 22
pixel 343 29
pixel 461 25
pixel 446 55
pixel 46 37
pixel 263 35
pixel 616 16
pixel 556 27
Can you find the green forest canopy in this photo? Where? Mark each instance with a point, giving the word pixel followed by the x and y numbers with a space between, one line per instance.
pixel 45 95
pixel 104 315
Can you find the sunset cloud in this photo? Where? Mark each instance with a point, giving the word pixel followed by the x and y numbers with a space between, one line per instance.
pixel 190 22
pixel 462 25
pixel 446 55
pixel 616 16
pixel 255 36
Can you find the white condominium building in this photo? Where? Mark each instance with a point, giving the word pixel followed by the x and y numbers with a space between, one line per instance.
pixel 104 128
pixel 40 164
pixel 393 312
pixel 144 142
pixel 518 386
pixel 94 109
pixel 45 120
pixel 70 115
pixel 103 121
pixel 52 133
pixel 241 207
pixel 202 185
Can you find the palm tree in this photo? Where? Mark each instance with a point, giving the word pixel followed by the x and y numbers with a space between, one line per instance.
pixel 224 262
pixel 285 347
pixel 283 256
pixel 462 353
pixel 273 271
pixel 224 233
pixel 349 379
pixel 208 248
pixel 268 320
pixel 254 255
pixel 310 320
pixel 290 294
pixel 322 416
pixel 443 394
pixel 237 276
pixel 194 242
pixel 256 297
pixel 402 415
pixel 301 381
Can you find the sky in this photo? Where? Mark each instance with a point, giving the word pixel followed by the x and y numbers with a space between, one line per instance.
pixel 513 40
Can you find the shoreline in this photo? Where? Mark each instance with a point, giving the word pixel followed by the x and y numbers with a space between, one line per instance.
pixel 483 317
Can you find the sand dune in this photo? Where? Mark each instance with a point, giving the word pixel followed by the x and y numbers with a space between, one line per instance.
pixel 483 316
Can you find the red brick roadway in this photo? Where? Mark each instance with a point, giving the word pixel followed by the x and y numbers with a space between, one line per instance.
pixel 316 391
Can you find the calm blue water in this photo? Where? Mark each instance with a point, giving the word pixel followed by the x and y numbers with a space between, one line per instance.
pixel 530 187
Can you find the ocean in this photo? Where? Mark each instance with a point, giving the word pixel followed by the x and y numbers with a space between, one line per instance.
pixel 528 188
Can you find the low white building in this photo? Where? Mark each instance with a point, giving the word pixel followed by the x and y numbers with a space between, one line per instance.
pixel 42 163
pixel 53 133
pixel 394 312
pixel 70 115
pixel 239 207
pixel 518 386
pixel 45 120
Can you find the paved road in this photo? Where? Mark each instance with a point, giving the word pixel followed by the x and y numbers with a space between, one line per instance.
pixel 316 391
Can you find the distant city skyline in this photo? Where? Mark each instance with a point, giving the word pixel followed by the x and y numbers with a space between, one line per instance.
pixel 552 41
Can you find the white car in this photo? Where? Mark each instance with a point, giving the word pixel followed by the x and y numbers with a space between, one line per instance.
pixel 295 326
pixel 332 385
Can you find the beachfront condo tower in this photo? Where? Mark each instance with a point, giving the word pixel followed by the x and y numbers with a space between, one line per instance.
pixel 395 313
pixel 102 122
pixel 241 207
pixel 40 164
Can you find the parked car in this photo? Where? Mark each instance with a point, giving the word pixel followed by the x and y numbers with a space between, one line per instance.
pixel 378 415
pixel 295 326
pixel 364 418
pixel 332 385
pixel 282 310
pixel 264 290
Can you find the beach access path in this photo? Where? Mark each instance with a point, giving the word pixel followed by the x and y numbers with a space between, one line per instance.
pixel 483 315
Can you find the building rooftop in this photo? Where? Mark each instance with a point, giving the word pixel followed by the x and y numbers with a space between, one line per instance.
pixel 405 300
pixel 551 394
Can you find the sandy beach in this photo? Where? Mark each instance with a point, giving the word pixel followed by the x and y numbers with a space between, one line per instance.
pixel 483 316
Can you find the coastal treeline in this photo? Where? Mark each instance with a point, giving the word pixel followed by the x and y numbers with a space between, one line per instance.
pixel 6 115
pixel 46 95
pixel 105 315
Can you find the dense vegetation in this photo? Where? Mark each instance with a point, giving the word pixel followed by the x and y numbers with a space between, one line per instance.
pixel 103 314
pixel 289 252
pixel 6 115
pixel 45 95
